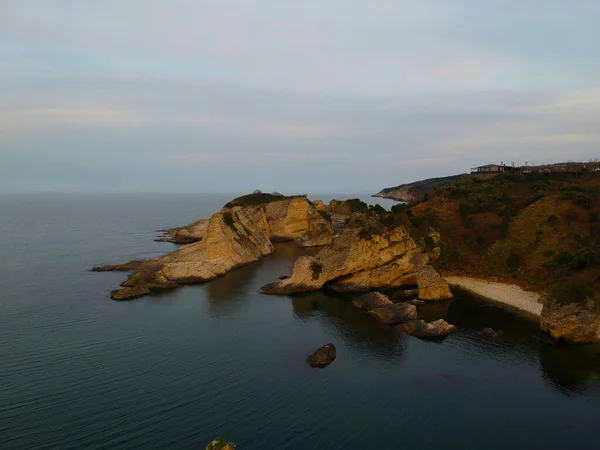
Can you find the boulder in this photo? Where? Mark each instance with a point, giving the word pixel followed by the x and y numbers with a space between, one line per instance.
pixel 491 333
pixel 416 302
pixel 420 328
pixel 372 300
pixel 220 444
pixel 432 286
pixel 395 314
pixel 323 356
pixel 577 322
pixel 404 293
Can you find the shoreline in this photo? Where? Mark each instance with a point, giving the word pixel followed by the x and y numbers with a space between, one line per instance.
pixel 507 294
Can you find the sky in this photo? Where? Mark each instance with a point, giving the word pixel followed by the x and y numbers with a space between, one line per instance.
pixel 293 96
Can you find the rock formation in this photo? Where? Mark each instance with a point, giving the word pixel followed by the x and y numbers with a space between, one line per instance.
pixel 491 333
pixel 193 232
pixel 323 356
pixel 431 285
pixel 235 236
pixel 365 256
pixel 372 300
pixel 577 322
pixel 395 314
pixel 420 328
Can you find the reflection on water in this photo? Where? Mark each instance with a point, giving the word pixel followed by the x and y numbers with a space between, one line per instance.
pixel 570 369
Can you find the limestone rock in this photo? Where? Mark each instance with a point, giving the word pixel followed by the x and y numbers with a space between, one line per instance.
pixel 193 232
pixel 395 313
pixel 372 300
pixel 360 259
pixel 573 322
pixel 323 356
pixel 220 444
pixel 436 329
pixel 319 205
pixel 431 285
pixel 235 236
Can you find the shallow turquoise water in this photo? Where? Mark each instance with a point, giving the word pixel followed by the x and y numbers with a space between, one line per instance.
pixel 78 370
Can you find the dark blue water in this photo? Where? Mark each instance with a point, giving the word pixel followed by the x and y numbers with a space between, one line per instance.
pixel 80 371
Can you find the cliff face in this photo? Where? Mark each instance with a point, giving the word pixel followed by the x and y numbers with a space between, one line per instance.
pixel 577 322
pixel 412 192
pixel 358 261
pixel 235 236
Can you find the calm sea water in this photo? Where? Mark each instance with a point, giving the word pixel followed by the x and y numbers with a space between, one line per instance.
pixel 80 371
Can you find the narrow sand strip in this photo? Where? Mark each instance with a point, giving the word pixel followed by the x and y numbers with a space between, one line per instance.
pixel 508 294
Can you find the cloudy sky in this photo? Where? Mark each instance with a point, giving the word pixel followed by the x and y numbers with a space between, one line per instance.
pixel 294 96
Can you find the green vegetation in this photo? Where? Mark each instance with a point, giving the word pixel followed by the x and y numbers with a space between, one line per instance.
pixel 316 268
pixel 423 188
pixel 228 219
pixel 512 261
pixel 575 291
pixel 257 198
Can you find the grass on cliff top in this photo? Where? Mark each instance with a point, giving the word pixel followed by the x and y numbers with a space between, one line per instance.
pixel 258 198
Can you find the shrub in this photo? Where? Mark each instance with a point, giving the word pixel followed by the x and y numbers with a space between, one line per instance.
pixel 429 242
pixel 570 215
pixel 512 261
pixel 553 219
pixel 538 235
pixel 583 200
pixel 480 241
pixel 575 291
pixel 464 209
pixel 316 268
pixel 228 219
pixel 593 216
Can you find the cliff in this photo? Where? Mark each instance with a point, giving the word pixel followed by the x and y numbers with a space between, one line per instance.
pixel 415 192
pixel 239 234
pixel 367 255
pixel 539 231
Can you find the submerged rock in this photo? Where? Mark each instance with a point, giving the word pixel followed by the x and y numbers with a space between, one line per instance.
pixel 491 333
pixel 420 328
pixel 323 356
pixel 395 314
pixel 372 300
pixel 577 322
pixel 220 444
pixel 431 285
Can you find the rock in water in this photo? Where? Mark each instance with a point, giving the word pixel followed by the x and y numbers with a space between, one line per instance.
pixel 395 314
pixel 573 322
pixel 491 333
pixel 323 356
pixel 220 444
pixel 431 285
pixel 436 329
pixel 405 293
pixel 372 300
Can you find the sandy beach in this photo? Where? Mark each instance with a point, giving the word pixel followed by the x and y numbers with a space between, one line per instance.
pixel 508 294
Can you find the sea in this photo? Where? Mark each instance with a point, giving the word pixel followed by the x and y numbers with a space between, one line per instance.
pixel 173 371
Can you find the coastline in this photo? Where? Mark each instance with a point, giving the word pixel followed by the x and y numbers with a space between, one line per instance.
pixel 508 294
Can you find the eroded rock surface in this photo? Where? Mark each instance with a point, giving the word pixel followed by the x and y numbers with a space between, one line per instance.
pixel 363 257
pixel 395 314
pixel 577 322
pixel 431 285
pixel 235 236
pixel 372 300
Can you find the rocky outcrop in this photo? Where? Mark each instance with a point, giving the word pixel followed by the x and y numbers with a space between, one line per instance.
pixel 431 285
pixel 372 300
pixel 323 356
pixel 365 256
pixel 491 333
pixel 420 328
pixel 415 191
pixel 220 444
pixel 405 294
pixel 193 232
pixel 395 314
pixel 235 236
pixel 577 322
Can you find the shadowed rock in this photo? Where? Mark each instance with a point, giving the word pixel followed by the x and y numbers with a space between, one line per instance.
pixel 220 444
pixel 405 293
pixel 577 322
pixel 436 329
pixel 372 300
pixel 491 333
pixel 323 356
pixel 395 314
